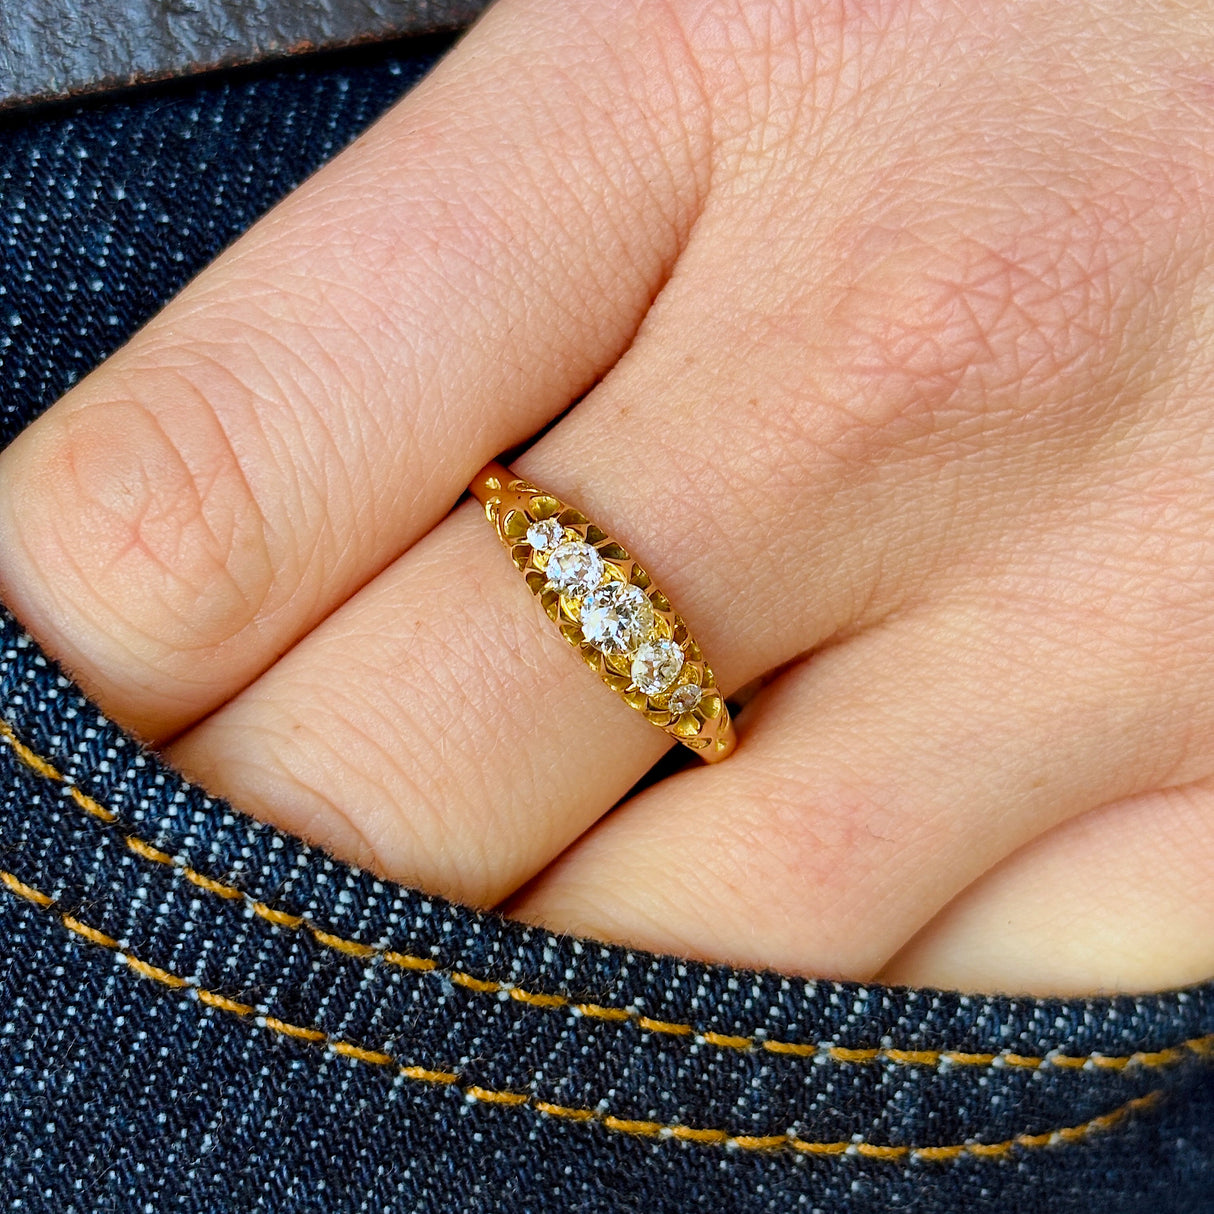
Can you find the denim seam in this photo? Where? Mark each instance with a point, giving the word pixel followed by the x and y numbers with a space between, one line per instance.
pixel 898 1057
pixel 597 1114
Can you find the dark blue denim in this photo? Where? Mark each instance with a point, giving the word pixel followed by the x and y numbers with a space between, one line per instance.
pixel 199 1013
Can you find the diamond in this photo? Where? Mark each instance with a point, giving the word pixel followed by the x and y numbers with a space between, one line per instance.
pixel 545 535
pixel 656 665
pixel 616 617
pixel 685 698
pixel 575 568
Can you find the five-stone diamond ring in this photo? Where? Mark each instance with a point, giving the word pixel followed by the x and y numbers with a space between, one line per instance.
pixel 609 609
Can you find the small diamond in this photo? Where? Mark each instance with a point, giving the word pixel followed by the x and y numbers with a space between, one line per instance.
pixel 545 535
pixel 575 568
pixel 685 698
pixel 617 618
pixel 656 665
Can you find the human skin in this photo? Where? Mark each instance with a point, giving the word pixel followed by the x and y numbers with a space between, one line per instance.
pixel 891 331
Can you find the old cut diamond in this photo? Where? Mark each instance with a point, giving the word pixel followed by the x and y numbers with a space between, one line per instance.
pixel 685 698
pixel 656 665
pixel 616 617
pixel 545 535
pixel 575 568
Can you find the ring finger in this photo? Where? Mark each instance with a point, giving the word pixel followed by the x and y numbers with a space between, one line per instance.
pixel 437 729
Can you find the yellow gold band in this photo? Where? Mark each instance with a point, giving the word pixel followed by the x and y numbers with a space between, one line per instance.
pixel 608 608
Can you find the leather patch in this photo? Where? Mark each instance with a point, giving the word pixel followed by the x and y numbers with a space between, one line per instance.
pixel 56 49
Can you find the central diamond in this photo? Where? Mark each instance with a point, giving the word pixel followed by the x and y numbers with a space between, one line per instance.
pixel 575 568
pixel 616 617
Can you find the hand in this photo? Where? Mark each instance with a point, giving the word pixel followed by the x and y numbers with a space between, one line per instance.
pixel 893 329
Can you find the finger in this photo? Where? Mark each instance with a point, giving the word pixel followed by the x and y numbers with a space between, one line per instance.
pixel 1119 899
pixel 319 398
pixel 876 783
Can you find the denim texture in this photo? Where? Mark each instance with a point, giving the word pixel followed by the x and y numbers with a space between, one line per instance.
pixel 199 1013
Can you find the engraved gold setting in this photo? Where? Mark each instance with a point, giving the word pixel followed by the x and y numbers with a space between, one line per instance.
pixel 642 648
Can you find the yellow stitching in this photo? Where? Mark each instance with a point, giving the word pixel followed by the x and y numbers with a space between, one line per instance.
pixel 957 1058
pixel 1062 1060
pixel 845 1055
pixel 155 972
pixel 822 1148
pixel 33 761
pixel 294 1030
pixel 1036 1140
pixel 278 917
pixel 474 984
pixel 1119 1064
pixel 940 1154
pixel 725 1042
pixel 692 1134
pixel 663 1026
pixel 89 933
pixel 89 805
pixel 427 1076
pixel 799 1049
pixel 26 891
pixel 623 1125
pixel 147 851
pixel 353 947
pixel 1152 1059
pixel 224 1004
pixel 626 1125
pixel 916 1057
pixel 37 764
pixel 491 1097
pixel 987 1148
pixel 563 1110
pixel 756 1142
pixel 407 961
pixel 208 883
pixel 537 1000
pixel 874 1151
pixel 604 1013
pixel 375 1057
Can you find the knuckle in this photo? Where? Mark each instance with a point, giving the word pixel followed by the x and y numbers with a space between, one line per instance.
pixel 147 529
pixel 824 838
pixel 1028 312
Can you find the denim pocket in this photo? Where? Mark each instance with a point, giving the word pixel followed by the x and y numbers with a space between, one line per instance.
pixel 201 1007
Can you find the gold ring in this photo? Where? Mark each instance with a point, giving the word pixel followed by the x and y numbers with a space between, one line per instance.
pixel 608 608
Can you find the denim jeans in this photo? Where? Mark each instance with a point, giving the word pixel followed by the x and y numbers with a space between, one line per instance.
pixel 200 1013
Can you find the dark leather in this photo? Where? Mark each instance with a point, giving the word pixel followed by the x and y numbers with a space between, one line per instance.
pixel 55 49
